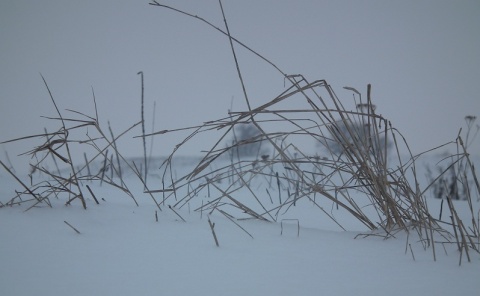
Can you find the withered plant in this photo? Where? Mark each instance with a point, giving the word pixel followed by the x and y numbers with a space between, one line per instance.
pixel 369 177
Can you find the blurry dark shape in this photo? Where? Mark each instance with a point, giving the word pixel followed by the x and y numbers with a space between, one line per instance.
pixel 361 136
pixel 247 141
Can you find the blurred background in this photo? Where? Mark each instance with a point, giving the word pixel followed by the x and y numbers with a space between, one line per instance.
pixel 421 57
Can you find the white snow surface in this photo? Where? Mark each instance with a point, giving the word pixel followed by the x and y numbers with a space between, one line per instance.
pixel 123 250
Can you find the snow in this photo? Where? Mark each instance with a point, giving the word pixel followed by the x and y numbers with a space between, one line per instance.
pixel 123 250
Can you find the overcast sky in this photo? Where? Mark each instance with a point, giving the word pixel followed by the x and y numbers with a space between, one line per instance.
pixel 421 57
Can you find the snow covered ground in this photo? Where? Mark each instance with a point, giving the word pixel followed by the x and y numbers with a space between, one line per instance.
pixel 123 250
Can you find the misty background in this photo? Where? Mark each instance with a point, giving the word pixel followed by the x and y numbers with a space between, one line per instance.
pixel 421 57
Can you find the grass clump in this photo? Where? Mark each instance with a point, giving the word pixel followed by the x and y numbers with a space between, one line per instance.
pixel 362 164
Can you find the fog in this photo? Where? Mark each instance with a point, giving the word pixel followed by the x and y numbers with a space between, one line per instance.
pixel 421 58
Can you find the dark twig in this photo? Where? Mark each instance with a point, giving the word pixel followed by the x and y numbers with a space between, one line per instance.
pixel 72 227
pixel 143 131
pixel 212 227
pixel 93 195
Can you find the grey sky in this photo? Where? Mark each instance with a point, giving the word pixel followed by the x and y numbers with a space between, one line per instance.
pixel 421 57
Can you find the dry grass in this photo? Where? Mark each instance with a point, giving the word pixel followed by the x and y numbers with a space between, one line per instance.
pixel 54 183
pixel 368 178
pixel 358 177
